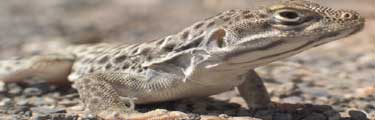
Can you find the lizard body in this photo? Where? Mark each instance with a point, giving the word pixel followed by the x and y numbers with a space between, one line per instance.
pixel 211 56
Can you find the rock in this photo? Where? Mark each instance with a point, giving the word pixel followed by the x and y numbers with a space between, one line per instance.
pixel 292 100
pixel 23 102
pixel 14 89
pixel 32 92
pixel 358 115
pixel 5 101
pixel 2 87
pixel 38 89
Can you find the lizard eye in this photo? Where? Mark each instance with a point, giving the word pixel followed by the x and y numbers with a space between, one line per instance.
pixel 287 17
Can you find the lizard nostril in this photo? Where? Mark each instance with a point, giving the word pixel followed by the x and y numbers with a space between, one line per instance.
pixel 348 15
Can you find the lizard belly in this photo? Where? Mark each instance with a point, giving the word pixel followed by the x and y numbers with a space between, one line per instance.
pixel 191 88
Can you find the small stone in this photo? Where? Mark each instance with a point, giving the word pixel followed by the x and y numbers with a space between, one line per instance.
pixel 358 115
pixel 293 100
pixel 32 92
pixel 14 89
pixel 332 115
pixel 38 89
pixel 2 87
pixel 5 101
pixel 23 102
pixel 224 116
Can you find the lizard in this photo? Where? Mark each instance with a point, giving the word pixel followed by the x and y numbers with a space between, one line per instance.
pixel 211 56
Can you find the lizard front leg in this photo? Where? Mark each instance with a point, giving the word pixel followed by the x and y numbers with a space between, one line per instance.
pixel 254 92
pixel 100 94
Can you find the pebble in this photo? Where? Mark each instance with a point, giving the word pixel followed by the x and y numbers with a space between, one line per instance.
pixel 2 87
pixel 292 100
pixel 5 101
pixel 22 102
pixel 14 89
pixel 32 92
pixel 38 89
pixel 358 115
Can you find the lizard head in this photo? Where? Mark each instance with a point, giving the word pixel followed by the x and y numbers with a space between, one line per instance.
pixel 251 38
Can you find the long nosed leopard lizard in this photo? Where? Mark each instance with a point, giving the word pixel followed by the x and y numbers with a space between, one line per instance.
pixel 211 56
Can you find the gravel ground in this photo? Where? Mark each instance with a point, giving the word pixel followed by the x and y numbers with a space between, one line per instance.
pixel 333 82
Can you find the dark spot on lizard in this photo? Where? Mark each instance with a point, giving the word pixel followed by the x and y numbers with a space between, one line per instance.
pixel 246 12
pixel 120 58
pixel 198 25
pixel 185 35
pixel 125 66
pixel 211 24
pixel 103 60
pixel 108 66
pixel 169 47
pixel 91 70
pixel 226 19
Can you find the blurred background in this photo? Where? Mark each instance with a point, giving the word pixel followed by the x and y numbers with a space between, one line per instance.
pixel 24 24
pixel 341 73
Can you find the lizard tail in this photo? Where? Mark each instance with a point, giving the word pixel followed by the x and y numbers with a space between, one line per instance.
pixel 52 68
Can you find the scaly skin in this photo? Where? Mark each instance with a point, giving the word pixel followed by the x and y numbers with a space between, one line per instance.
pixel 209 57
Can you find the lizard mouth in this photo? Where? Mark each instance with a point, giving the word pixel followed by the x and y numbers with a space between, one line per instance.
pixel 328 37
